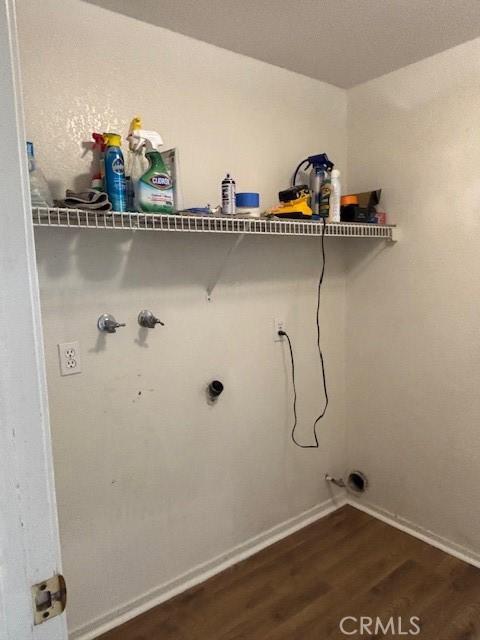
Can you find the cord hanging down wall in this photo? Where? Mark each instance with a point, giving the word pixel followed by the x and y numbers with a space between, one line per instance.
pixel 322 361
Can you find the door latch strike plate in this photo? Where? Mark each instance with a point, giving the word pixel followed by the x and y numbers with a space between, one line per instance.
pixel 49 598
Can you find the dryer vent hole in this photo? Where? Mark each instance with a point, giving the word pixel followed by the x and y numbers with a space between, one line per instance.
pixel 357 482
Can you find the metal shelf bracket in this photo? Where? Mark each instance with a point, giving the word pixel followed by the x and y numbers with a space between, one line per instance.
pixel 218 274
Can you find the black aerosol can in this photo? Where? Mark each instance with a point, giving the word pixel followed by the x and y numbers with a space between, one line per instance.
pixel 228 195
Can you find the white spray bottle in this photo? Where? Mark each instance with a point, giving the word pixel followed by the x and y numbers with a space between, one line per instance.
pixel 335 196
pixel 136 164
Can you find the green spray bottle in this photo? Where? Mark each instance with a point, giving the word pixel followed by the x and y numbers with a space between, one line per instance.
pixel 154 189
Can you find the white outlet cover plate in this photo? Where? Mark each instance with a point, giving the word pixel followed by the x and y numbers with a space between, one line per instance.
pixel 69 356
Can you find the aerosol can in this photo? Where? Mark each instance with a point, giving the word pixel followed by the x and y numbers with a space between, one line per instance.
pixel 325 196
pixel 317 179
pixel 320 167
pixel 154 189
pixel 228 195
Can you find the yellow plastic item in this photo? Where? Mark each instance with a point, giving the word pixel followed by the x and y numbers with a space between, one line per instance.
pixel 298 206
pixel 112 139
pixel 135 124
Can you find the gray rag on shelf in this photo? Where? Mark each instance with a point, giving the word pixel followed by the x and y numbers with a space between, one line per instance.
pixel 90 200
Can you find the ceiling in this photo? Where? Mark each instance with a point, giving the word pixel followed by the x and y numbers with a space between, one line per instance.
pixel 343 42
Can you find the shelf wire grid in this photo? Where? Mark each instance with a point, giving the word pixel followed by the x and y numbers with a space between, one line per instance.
pixel 81 219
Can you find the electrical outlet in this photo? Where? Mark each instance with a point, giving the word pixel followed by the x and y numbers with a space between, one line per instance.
pixel 69 355
pixel 278 325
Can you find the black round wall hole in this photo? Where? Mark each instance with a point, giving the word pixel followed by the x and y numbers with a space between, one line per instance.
pixel 357 482
pixel 215 388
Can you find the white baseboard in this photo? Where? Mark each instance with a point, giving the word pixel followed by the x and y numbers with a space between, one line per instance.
pixel 431 538
pixel 204 571
pixel 208 569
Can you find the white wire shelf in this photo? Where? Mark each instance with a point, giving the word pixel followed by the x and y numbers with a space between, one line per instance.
pixel 80 219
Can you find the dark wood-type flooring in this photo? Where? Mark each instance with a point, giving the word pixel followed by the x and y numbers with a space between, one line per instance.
pixel 347 564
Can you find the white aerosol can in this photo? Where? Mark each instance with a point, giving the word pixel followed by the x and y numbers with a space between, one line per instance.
pixel 228 195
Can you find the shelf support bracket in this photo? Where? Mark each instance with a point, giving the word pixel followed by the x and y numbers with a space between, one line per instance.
pixel 396 235
pixel 218 274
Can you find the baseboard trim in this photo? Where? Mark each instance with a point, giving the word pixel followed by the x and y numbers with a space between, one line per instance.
pixel 202 572
pixel 457 551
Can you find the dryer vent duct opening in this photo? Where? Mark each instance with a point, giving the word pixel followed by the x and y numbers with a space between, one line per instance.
pixel 357 482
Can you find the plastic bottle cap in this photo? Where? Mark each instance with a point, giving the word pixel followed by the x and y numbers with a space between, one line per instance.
pixel 335 173
pixel 113 139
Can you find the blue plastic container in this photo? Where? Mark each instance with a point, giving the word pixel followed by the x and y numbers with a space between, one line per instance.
pixel 115 184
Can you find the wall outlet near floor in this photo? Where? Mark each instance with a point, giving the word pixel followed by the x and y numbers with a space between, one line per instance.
pixel 69 355
pixel 278 325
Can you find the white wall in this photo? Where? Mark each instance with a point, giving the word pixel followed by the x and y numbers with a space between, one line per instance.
pixel 151 485
pixel 413 311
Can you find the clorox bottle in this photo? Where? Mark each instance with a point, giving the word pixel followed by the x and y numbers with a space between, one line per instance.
pixel 154 190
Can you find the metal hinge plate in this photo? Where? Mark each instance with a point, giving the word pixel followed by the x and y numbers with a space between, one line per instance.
pixel 49 598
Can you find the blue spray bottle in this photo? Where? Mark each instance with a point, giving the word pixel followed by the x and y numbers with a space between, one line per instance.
pixel 115 184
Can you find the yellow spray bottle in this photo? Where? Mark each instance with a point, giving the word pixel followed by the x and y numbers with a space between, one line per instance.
pixel 136 165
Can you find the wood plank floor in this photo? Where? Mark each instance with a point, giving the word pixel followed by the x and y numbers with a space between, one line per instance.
pixel 347 564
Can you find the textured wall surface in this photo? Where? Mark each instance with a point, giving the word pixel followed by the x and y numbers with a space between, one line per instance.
pixel 151 480
pixel 413 311
pixel 225 112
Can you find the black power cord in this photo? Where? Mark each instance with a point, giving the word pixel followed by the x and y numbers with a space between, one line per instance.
pixel 322 362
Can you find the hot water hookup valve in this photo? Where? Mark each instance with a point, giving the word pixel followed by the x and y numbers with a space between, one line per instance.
pixel 107 323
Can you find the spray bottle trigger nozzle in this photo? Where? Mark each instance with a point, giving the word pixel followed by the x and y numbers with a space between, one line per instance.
pixel 151 139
